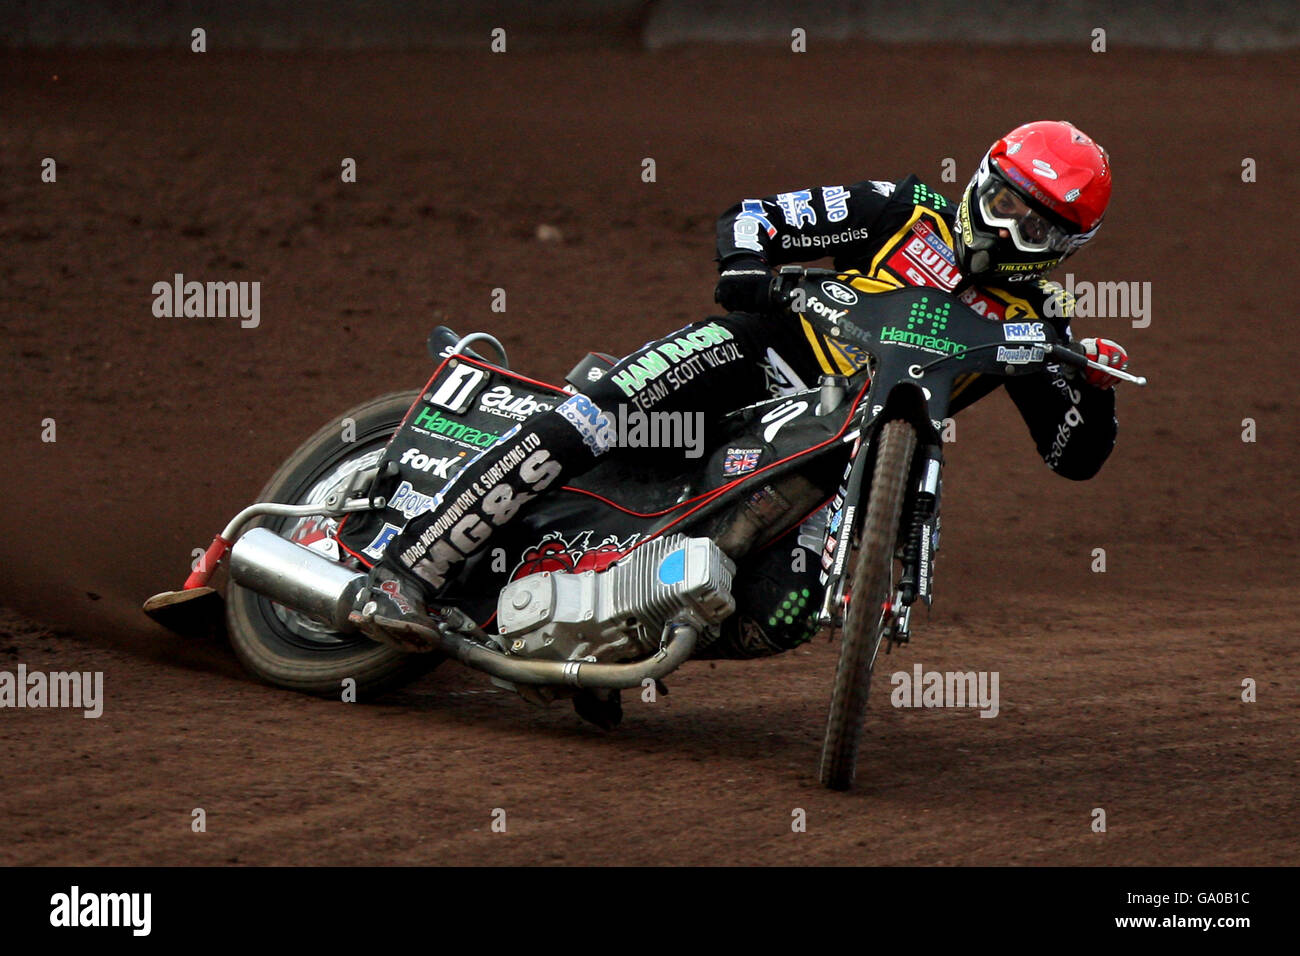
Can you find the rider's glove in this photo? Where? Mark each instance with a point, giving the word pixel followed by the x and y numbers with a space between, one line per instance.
pixel 1107 353
pixel 744 286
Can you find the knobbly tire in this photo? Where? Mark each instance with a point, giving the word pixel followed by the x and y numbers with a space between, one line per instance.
pixel 864 624
pixel 284 648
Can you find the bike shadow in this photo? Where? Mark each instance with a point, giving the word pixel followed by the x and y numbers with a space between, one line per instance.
pixel 777 736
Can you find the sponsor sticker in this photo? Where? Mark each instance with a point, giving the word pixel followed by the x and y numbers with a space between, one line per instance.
pixel 409 501
pixel 438 467
pixel 741 461
pixel 780 416
pixel 836 201
pixel 1023 331
pixel 840 293
pixel 934 241
pixel 501 401
pixel 752 219
pixel 684 350
pixel 573 554
pixel 825 311
pixel 375 549
pixel 982 304
pixel 855 234
pixel 923 264
pixel 797 208
pixel 781 378
pixel 587 419
pixel 429 421
pixel 1021 355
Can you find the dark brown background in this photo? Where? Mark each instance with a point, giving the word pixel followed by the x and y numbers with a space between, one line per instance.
pixel 1119 690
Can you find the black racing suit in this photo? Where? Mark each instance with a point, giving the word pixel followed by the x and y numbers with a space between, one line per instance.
pixel 894 235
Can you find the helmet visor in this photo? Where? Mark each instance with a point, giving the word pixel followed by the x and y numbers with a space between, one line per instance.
pixel 1030 231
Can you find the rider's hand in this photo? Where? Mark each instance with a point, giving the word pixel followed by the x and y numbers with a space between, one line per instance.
pixel 744 286
pixel 1108 353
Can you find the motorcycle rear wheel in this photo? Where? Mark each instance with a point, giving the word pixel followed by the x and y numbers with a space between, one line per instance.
pixel 283 647
pixel 865 620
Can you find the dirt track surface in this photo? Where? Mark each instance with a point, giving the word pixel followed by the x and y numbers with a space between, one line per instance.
pixel 1119 690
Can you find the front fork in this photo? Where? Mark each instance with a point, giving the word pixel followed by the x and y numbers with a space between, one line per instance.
pixel 918 542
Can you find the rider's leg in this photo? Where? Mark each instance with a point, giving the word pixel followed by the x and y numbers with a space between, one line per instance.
pixel 710 366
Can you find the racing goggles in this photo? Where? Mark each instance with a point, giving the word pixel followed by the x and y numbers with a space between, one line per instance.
pixel 1003 207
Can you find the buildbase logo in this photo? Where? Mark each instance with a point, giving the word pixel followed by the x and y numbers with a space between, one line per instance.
pixel 923 688
pixel 76 909
pixel 79 690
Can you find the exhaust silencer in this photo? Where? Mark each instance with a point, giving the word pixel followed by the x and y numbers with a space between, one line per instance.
pixel 296 577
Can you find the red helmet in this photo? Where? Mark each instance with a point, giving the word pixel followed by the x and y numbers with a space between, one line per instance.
pixel 1046 186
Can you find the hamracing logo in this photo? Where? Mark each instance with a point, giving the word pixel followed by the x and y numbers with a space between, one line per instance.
pixel 708 346
pixel 431 420
pixel 919 313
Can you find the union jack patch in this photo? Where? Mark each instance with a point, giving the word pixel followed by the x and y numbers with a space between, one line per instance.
pixel 741 461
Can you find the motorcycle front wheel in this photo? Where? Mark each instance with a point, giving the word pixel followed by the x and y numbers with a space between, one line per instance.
pixel 282 646
pixel 866 617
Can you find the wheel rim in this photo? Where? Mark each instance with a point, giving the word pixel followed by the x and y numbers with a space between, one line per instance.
pixel 312 532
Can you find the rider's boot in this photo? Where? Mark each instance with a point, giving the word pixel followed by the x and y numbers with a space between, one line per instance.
pixel 391 608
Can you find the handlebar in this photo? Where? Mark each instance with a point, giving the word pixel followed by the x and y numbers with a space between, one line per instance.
pixel 783 285
pixel 1071 353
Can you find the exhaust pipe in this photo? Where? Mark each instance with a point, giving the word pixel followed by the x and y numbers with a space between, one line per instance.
pixel 311 583
pixel 681 638
pixel 296 577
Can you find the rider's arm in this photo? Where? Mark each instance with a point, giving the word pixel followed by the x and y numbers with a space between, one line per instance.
pixel 1073 423
pixel 799 226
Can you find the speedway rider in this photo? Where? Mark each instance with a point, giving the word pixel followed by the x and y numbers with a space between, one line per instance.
pixel 1039 195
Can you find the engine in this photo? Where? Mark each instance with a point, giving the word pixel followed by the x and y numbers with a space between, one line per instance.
pixel 619 613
